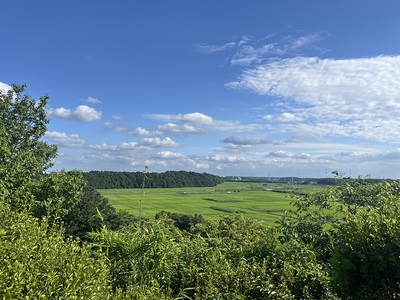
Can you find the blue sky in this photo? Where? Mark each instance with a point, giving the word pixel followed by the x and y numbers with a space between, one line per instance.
pixel 250 88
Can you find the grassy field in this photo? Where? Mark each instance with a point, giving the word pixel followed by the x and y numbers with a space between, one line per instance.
pixel 265 202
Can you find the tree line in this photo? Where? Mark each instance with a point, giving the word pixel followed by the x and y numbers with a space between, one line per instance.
pixel 60 239
pixel 169 179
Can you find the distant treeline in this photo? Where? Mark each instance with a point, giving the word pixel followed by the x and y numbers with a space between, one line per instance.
pixel 300 180
pixel 169 179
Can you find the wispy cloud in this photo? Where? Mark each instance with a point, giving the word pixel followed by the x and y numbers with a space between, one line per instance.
pixel 241 140
pixel 80 113
pixel 352 97
pixel 249 51
pixel 287 154
pixel 210 49
pixel 92 100
pixel 196 118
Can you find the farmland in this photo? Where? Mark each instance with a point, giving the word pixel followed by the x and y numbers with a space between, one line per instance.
pixel 261 201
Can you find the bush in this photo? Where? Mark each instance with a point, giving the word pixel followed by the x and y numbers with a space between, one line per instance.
pixel 36 262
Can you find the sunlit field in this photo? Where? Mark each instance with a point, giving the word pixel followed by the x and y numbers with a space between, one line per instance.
pixel 261 201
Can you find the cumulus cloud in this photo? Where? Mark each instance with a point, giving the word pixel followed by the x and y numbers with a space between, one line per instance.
pixel 4 88
pixel 174 160
pixel 169 155
pixel 288 117
pixel 64 139
pixel 349 97
pixel 198 123
pixel 180 129
pixel 157 142
pixel 80 113
pixel 143 144
pixel 143 131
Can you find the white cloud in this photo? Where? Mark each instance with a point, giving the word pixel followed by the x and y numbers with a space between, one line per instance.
pixel 108 124
pixel 64 139
pixel 234 148
pixel 143 144
pixel 248 54
pixel 300 42
pixel 281 153
pixel 198 123
pixel 268 117
pixel 127 146
pixel 352 97
pixel 303 156
pixel 157 142
pixel 169 155
pixel 81 113
pixel 242 140
pixel 195 118
pixel 4 87
pixel 210 49
pixel 143 131
pixel 92 100
pixel 219 158
pixel 288 117
pixel 172 128
pixel 248 51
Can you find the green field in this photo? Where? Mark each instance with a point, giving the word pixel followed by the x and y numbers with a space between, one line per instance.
pixel 266 202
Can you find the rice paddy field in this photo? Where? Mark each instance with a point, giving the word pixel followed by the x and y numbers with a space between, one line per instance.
pixel 261 201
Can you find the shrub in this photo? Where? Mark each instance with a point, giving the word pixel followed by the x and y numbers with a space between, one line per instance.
pixel 36 262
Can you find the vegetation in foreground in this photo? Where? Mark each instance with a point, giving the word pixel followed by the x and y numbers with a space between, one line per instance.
pixel 339 243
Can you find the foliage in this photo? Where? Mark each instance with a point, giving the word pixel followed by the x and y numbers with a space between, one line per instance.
pixel 182 221
pixel 22 153
pixel 92 212
pixel 142 257
pixel 36 262
pixel 366 257
pixel 353 229
pixel 235 258
pixel 169 179
pixel 56 193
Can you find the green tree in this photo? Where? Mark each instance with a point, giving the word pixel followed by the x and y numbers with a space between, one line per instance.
pixel 23 155
pixel 182 221
pixel 92 212
pixel 24 158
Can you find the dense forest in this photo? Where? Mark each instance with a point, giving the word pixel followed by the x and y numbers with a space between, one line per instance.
pixel 60 239
pixel 169 179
